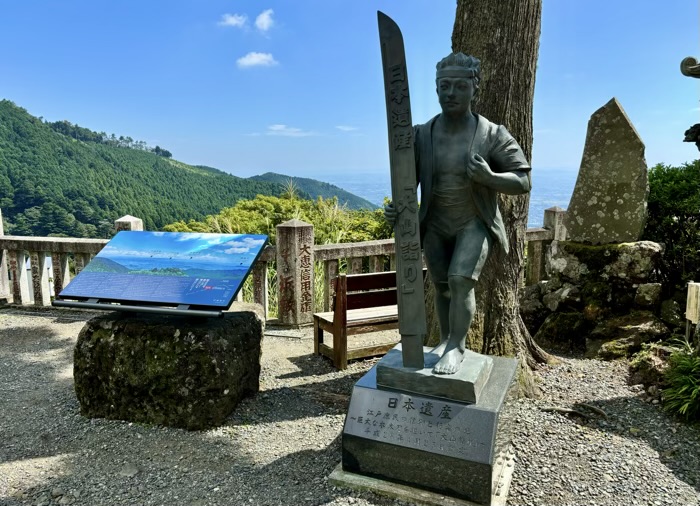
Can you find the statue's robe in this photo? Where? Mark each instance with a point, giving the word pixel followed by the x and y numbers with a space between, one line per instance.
pixel 496 146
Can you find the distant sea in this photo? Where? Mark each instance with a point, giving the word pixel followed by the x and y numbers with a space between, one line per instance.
pixel 550 187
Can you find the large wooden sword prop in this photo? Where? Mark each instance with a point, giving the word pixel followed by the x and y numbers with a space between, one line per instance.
pixel 409 262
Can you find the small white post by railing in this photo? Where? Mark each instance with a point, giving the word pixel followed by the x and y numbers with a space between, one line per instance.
pixel 539 239
pixel 128 222
pixel 4 279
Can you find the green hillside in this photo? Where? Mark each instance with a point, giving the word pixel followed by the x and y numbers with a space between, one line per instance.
pixel 318 188
pixel 61 179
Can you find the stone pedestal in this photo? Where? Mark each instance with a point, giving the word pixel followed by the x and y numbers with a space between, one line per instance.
pixel 167 370
pixel 463 386
pixel 452 448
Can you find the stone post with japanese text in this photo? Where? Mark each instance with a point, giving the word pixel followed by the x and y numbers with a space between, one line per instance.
pixel 295 272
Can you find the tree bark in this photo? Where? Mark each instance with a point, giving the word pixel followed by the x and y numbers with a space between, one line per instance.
pixel 504 35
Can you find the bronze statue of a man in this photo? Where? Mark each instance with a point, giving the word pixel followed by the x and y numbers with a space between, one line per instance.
pixel 462 162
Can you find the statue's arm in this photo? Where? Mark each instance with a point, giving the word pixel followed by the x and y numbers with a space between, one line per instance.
pixel 507 170
pixel 513 182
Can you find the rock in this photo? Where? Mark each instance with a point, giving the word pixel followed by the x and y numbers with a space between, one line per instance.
pixel 532 311
pixel 129 471
pixel 564 332
pixel 609 202
pixel 648 295
pixel 165 370
pixel 567 296
pixel 623 336
pixel 671 314
pixel 630 263
pixel 648 366
pixel 636 261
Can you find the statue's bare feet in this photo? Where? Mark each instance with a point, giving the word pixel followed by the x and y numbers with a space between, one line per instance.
pixel 450 362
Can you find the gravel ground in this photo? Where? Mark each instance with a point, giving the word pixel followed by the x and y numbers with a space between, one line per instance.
pixel 280 446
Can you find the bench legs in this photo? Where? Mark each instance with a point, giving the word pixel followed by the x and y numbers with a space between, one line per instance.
pixel 318 336
pixel 340 348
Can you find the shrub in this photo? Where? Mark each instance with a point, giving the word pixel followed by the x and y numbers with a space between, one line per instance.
pixel 682 395
pixel 674 220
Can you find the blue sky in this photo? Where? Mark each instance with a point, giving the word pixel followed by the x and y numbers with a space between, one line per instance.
pixel 296 87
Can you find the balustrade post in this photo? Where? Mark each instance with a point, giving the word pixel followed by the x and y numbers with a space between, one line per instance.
pixel 4 279
pixel 260 286
pixel 20 283
pixel 330 272
pixel 355 265
pixel 554 220
pixel 536 250
pixel 376 263
pixel 128 222
pixel 40 278
pixel 295 272
pixel 61 272
pixel 81 260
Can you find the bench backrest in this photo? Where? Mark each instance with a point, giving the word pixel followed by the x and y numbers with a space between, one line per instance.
pixel 367 290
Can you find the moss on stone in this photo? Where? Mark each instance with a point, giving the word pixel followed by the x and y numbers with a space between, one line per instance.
pixel 596 257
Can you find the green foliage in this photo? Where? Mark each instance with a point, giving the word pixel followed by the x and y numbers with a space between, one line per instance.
pixel 60 179
pixel 674 219
pixel 332 223
pixel 682 395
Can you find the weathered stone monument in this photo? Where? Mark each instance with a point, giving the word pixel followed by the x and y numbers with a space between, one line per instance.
pixel 430 419
pixel 609 201
pixel 601 297
pixel 174 371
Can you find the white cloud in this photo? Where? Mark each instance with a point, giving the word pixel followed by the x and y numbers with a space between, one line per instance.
pixel 254 59
pixel 287 131
pixel 264 20
pixel 345 128
pixel 237 20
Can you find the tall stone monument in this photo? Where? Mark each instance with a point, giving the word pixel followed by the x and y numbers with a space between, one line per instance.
pixel 609 202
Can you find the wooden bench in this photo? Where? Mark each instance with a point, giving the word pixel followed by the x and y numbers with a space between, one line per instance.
pixel 362 303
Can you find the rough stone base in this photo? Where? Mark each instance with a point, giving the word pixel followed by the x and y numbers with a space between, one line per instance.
pixel 165 370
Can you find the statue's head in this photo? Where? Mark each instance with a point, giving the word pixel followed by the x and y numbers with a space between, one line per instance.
pixel 460 65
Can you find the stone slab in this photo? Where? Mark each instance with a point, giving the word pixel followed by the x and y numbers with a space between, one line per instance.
pixel 437 445
pixel 407 493
pixel 463 386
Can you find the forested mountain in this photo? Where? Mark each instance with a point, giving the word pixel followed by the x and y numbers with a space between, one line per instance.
pixel 318 188
pixel 61 179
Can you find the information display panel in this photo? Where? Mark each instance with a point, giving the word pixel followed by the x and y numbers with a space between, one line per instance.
pixel 168 268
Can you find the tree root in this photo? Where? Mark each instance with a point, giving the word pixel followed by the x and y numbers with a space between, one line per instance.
pixel 569 411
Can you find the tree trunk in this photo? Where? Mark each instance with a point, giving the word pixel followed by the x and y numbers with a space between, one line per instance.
pixel 504 35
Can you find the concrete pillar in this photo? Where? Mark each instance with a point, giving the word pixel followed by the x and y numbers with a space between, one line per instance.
pixel 61 272
pixel 5 295
pixel 554 220
pixel 40 278
pixel 20 280
pixel 295 272
pixel 128 223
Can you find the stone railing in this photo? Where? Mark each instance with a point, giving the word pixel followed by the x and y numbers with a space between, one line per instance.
pixel 295 256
